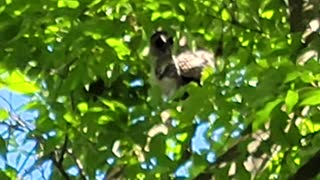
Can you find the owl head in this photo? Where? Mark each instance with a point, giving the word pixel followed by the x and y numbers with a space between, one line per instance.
pixel 161 44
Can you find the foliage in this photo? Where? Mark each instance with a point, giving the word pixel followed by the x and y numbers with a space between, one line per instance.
pixel 84 64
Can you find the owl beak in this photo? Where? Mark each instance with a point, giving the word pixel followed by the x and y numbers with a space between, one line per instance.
pixel 163 38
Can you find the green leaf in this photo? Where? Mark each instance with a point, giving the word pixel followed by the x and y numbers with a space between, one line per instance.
pixel 45 124
pixel 17 82
pixel 73 4
pixel 4 176
pixel 70 117
pixel 3 146
pixel 107 117
pixel 113 104
pixel 182 137
pixel 242 173
pixel 278 123
pixel 310 97
pixel 263 115
pixel 182 6
pixel 68 3
pixel 157 148
pixel 24 87
pixel 4 114
pixel 291 99
pixel 119 46
pixel 199 166
pixel 155 96
pixel 225 15
pixel 292 76
pixel 83 107
pixel 206 73
pixel 267 14
pixel 10 172
pixel 307 77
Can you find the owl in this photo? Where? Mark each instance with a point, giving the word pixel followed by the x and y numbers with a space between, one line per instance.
pixel 169 71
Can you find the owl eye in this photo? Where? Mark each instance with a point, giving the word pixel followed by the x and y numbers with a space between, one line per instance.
pixel 159 43
pixel 170 41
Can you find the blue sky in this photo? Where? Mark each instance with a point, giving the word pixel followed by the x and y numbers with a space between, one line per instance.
pixel 21 151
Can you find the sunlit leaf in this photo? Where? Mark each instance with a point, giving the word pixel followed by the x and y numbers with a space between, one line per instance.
pixel 199 166
pixel 17 82
pixel 291 99
pixel 69 117
pixel 264 114
pixel 4 176
pixel 4 114
pixel 114 105
pixel 68 3
pixel 182 5
pixel 119 46
pixel 225 15
pixel 307 76
pixel 104 119
pixel 267 14
pixel 310 97
pixel 83 107
pixel 182 137
pixel 292 76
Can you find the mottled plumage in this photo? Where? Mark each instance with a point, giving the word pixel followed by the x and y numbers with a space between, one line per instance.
pixel 171 72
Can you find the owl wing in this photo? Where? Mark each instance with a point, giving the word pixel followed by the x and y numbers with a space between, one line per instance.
pixel 190 64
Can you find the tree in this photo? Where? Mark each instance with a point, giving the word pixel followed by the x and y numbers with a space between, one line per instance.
pixel 84 66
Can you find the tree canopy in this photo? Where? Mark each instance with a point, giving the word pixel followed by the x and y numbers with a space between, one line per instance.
pixel 84 67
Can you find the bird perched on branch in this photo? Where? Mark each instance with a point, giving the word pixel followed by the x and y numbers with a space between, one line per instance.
pixel 171 72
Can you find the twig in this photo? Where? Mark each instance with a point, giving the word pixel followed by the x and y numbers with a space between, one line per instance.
pixel 19 121
pixel 7 102
pixel 114 172
pixel 59 167
pixel 78 163
pixel 27 158
pixel 14 116
pixel 63 149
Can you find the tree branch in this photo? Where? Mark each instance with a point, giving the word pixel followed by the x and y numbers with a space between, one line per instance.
pixel 63 149
pixel 309 170
pixel 296 15
pixel 78 164
pixel 60 167
pixel 58 161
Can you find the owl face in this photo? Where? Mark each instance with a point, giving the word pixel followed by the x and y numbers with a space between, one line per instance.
pixel 161 44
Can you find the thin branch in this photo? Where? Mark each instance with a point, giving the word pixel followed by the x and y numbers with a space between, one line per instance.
pixel 78 163
pixel 59 167
pixel 20 121
pixel 35 166
pixel 7 102
pixel 27 158
pixel 69 151
pixel 15 117
pixel 63 149
pixel 114 172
